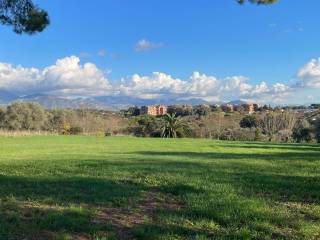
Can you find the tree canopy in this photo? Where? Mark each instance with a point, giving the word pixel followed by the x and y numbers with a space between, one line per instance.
pixel 23 16
pixel 261 2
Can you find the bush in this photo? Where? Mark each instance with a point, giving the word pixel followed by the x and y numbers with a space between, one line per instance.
pixel 238 134
pixel 249 122
pixel 76 130
pixel 144 126
pixel 302 132
pixel 317 130
pixel 107 134
pixel 202 110
pixel 23 116
pixel 257 135
pixel 180 110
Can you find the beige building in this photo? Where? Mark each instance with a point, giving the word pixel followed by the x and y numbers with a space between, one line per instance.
pixel 250 107
pixel 227 108
pixel 154 110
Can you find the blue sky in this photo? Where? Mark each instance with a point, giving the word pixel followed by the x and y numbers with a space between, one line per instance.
pixel 216 38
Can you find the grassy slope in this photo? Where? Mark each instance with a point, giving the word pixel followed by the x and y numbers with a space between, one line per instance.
pixel 79 187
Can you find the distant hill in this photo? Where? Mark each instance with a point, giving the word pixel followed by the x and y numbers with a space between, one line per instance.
pixel 237 102
pixel 103 102
pixel 6 96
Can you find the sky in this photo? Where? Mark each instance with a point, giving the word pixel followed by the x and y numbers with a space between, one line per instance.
pixel 204 49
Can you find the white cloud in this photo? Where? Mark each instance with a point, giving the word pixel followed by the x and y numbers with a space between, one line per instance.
pixel 102 53
pixel 66 77
pixel 145 45
pixel 210 88
pixel 309 75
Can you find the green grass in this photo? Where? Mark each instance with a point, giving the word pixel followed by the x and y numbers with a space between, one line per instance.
pixel 59 187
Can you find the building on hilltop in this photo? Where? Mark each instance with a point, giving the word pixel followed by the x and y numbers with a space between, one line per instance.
pixel 154 110
pixel 227 108
pixel 249 107
pixel 246 108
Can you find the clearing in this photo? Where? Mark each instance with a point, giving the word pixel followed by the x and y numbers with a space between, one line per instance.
pixel 63 187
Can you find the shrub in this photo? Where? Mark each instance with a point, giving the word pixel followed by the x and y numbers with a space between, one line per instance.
pixel 317 130
pixel 107 134
pixel 302 132
pixel 238 134
pixel 76 130
pixel 144 126
pixel 249 122
pixel 257 135
pixel 23 116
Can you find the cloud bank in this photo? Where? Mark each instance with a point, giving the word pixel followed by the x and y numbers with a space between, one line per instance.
pixel 68 77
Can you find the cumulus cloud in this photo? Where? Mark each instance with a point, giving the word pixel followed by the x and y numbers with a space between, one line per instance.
pixel 145 45
pixel 199 86
pixel 69 77
pixel 66 77
pixel 309 75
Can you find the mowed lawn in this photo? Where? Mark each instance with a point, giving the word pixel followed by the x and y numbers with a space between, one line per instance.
pixel 58 187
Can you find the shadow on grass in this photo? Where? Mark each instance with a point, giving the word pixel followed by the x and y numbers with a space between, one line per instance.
pixel 276 146
pixel 254 180
pixel 77 208
pixel 254 186
pixel 70 190
pixel 42 208
pixel 25 221
pixel 278 156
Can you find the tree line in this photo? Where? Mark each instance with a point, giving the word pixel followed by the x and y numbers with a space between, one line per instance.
pixel 209 122
pixel 25 116
pixel 184 121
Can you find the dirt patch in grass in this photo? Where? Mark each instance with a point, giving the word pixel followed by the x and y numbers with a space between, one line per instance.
pixel 35 221
pixel 124 220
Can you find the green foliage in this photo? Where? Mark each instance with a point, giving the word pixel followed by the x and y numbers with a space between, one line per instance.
pixel 173 126
pixel 239 109
pixel 24 116
pixel 23 16
pixel 249 121
pixel 145 126
pixel 2 117
pixel 302 132
pixel 259 2
pixel 315 106
pixel 317 130
pixel 180 110
pixel 76 130
pixel 257 135
pixel 57 120
pixel 215 108
pixel 202 110
pixel 132 111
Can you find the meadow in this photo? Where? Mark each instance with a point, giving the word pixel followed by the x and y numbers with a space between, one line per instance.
pixel 76 187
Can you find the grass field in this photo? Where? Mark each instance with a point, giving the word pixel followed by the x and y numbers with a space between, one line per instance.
pixel 127 188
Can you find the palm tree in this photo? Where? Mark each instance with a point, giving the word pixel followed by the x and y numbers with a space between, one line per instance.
pixel 172 126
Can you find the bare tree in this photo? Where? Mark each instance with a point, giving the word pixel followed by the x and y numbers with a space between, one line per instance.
pixel 278 124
